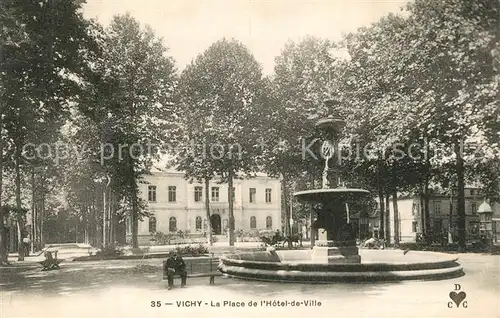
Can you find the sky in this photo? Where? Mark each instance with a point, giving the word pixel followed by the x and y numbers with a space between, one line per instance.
pixel 189 27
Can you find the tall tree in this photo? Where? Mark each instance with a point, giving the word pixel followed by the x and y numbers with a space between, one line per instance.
pixel 39 84
pixel 220 95
pixel 131 103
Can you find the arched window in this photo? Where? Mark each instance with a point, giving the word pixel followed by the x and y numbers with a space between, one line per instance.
pixel 198 223
pixel 253 222
pixel 269 223
pixel 172 224
pixel 152 224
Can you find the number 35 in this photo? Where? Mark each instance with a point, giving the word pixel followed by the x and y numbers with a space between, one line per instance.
pixel 155 303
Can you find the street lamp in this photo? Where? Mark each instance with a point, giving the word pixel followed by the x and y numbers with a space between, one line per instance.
pixel 485 222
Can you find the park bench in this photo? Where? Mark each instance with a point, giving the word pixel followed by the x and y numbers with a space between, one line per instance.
pixel 50 262
pixel 211 273
pixel 211 276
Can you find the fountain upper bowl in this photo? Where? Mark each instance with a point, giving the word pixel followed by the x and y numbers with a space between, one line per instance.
pixel 322 195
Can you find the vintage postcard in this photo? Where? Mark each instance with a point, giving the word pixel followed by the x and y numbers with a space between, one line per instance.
pixel 168 158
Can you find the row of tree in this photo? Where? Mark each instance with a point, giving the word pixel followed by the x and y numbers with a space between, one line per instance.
pixel 109 102
pixel 420 89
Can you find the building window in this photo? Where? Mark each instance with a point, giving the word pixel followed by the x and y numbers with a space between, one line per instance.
pixel 437 207
pixel 198 194
pixel 473 208
pixel 438 226
pixel 253 193
pixel 215 194
pixel 268 195
pixel 172 224
pixel 152 193
pixel 414 226
pixel 269 223
pixel 253 222
pixel 152 224
pixel 198 223
pixel 472 192
pixel 171 194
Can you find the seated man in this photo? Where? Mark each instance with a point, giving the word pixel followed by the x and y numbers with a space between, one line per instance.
pixel 175 266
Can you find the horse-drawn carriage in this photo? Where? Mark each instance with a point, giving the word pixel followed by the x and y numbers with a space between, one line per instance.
pixel 278 239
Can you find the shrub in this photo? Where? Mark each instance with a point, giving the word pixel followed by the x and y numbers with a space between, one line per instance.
pixel 192 250
pixel 111 250
pixel 239 233
pixel 162 238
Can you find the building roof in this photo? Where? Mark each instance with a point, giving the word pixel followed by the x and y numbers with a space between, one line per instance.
pixel 164 165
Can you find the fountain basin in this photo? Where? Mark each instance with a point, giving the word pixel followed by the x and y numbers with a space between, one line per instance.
pixel 376 265
pixel 326 195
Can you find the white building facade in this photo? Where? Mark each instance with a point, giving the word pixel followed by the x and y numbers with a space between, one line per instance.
pixel 178 205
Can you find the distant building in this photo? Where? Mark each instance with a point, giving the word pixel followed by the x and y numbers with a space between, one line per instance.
pixel 177 204
pixel 410 218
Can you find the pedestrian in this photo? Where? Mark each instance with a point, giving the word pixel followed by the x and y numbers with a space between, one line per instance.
pixel 26 245
pixel 175 266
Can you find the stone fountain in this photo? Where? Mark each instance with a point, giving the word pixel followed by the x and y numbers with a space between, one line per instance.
pixel 335 256
pixel 337 240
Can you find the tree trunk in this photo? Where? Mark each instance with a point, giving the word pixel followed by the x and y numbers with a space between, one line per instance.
pixel 207 210
pixel 104 217
pixel 381 231
pixel 135 222
pixel 33 212
pixel 285 207
pixel 450 218
pixel 427 218
pixel 230 177
pixel 135 206
pixel 4 249
pixel 422 213
pixel 387 218
pixel 42 212
pixel 396 215
pixel 311 228
pixel 19 218
pixel 460 197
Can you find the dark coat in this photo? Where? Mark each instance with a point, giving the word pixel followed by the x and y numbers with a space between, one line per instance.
pixel 177 263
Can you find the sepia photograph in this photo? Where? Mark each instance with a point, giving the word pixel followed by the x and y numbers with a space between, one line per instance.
pixel 246 158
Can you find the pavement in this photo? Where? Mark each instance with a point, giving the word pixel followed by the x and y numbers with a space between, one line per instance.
pixel 115 289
